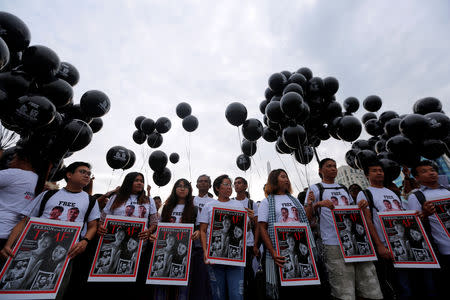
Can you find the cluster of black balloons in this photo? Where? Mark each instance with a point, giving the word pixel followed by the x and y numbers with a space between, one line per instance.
pixel 36 96
pixel 401 139
pixel 299 111
pixel 190 122
pixel 119 157
pixel 151 131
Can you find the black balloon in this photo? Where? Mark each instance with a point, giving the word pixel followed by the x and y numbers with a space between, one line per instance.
pixel 269 135
pixel 391 169
pixel 15 84
pixel 439 125
pixel 286 73
pixel 163 125
pixel 333 110
pixel 277 82
pixel 183 110
pixel 387 115
pixel 243 162
pixel 282 148
pixel 275 98
pixel 96 124
pixel 380 146
pixel 432 149
pixel 427 105
pixel 351 104
pixel 248 148
pixel 330 86
pixel 95 103
pixel 147 126
pixel 190 123
pixel 138 122
pixel 154 140
pixel 291 104
pixel 139 137
pixel 236 113
pixel 350 156
pixel 399 145
pixel 415 127
pixel 298 79
pixel 274 112
pixel 131 161
pixel 361 145
pixel 268 94
pixel 14 32
pixel 58 91
pixel 157 160
pixel 315 86
pixel 262 106
pixel 304 154
pixel 68 73
pixel 40 61
pixel 372 103
pixel 4 54
pixel 162 178
pixel 364 157
pixel 294 136
pixel 374 127
pixel 252 129
pixel 174 158
pixel 368 116
pixel 305 72
pixel 349 128
pixel 391 127
pixel 386 155
pixel 33 112
pixel 76 134
pixel 293 87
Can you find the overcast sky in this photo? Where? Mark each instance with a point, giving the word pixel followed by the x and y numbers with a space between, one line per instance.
pixel 148 56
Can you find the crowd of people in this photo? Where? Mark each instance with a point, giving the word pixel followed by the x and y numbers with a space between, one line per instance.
pixel 22 196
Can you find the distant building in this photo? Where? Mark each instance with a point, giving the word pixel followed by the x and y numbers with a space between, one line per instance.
pixel 347 175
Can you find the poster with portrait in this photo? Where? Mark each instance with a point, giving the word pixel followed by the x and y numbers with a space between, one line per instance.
pixel 407 240
pixel 227 238
pixel 292 242
pixel 40 260
pixel 353 234
pixel 171 255
pixel 443 213
pixel 119 250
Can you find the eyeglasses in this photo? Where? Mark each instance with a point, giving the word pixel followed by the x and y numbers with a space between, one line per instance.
pixel 226 184
pixel 84 172
pixel 182 186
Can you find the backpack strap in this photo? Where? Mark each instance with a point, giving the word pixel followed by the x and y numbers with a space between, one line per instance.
pixel 92 201
pixel 44 201
pixel 250 203
pixel 420 197
pixel 321 190
pixel 369 197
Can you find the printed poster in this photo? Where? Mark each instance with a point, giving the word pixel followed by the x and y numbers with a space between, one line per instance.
pixel 171 255
pixel 40 260
pixel 292 242
pixel 227 236
pixel 119 250
pixel 353 234
pixel 407 240
pixel 443 213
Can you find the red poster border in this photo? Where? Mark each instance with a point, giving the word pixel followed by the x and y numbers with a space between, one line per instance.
pixel 97 251
pixel 244 235
pixel 188 255
pixel 437 217
pixel 374 254
pixel 310 251
pixel 16 248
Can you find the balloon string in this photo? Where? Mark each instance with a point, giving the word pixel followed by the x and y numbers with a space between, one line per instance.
pixel 256 167
pixel 110 179
pixel 188 153
pixel 285 168
pixel 120 177
pixel 239 137
pixel 296 169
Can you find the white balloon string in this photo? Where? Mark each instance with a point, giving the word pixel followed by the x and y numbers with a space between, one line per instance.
pixel 110 179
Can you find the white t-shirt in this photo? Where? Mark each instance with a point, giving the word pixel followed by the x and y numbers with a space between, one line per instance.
pixel 131 208
pixel 16 192
pixel 437 231
pixel 177 213
pixel 250 236
pixel 63 206
pixel 205 216
pixel 339 197
pixel 285 210
pixel 383 200
pixel 199 202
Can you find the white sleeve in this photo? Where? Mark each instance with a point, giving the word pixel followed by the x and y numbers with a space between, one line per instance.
pixel 255 208
pixel 32 209
pixel 360 197
pixel 107 209
pixel 95 213
pixel 263 211
pixel 5 178
pixel 413 203
pixel 204 215
pixel 315 191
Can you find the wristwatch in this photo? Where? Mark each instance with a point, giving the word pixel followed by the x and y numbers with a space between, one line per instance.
pixel 85 239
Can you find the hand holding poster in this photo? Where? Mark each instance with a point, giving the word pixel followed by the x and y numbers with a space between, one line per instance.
pixel 40 260
pixel 353 234
pixel 119 250
pixel 227 238
pixel 171 254
pixel 443 213
pixel 292 242
pixel 407 240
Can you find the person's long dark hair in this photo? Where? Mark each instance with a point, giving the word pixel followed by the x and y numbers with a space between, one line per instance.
pixel 272 187
pixel 125 191
pixel 172 201
pixel 40 166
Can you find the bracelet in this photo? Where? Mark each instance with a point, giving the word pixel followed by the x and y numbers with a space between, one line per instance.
pixel 85 239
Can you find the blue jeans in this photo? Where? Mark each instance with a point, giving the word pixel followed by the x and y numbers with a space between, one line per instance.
pixel 225 278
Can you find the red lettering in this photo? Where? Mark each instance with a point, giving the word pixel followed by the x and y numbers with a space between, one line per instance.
pixel 235 219
pixel 131 231
pixel 353 217
pixel 164 234
pixel 283 234
pixel 340 217
pixel 38 231
pixel 407 223
pixel 180 236
pixel 113 228
pixel 389 221
pixel 297 236
pixel 63 236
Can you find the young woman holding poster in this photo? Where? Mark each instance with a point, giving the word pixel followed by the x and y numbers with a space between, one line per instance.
pixel 223 278
pixel 131 194
pixel 275 208
pixel 179 207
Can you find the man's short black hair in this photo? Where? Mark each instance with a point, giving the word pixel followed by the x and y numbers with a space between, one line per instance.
pixel 73 166
pixel 218 181
pixel 373 163
pixel 424 163
pixel 322 162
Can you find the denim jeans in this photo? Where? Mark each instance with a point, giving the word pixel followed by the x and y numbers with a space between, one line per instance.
pixel 226 278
